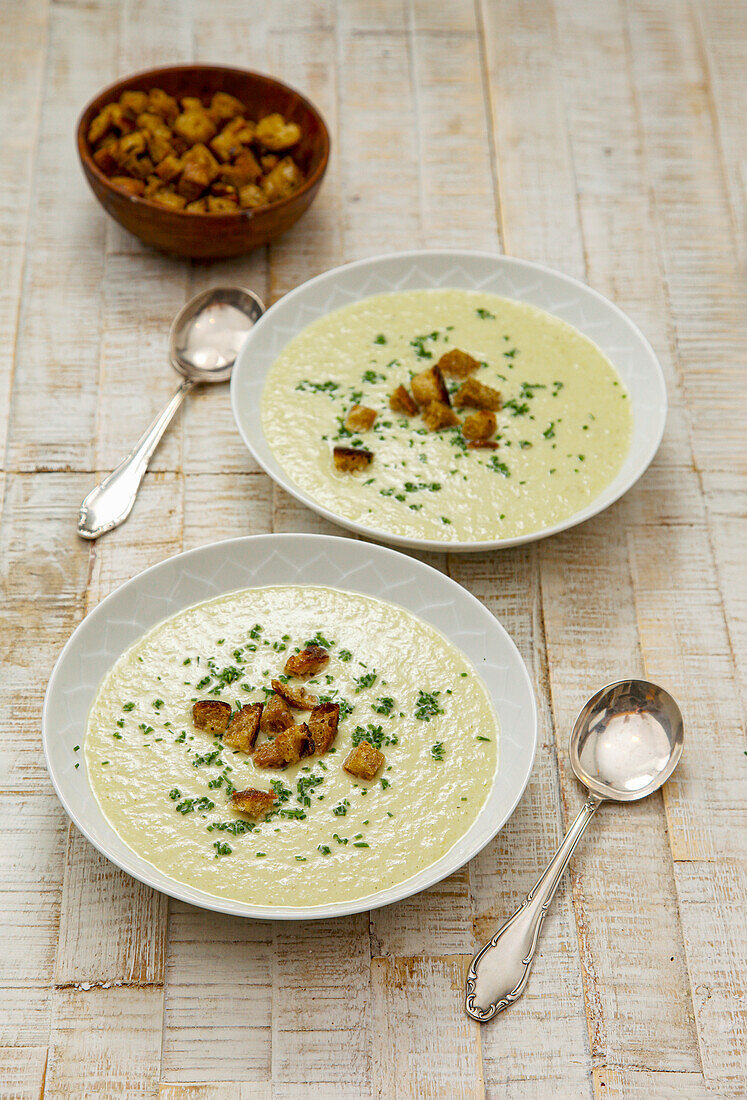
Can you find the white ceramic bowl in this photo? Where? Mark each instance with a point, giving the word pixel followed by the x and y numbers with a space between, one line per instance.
pixel 621 341
pixel 221 567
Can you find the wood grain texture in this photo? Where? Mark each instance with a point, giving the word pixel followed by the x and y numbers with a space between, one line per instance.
pixel 605 139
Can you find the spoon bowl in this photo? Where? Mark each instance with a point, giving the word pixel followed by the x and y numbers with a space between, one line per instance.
pixel 207 333
pixel 627 740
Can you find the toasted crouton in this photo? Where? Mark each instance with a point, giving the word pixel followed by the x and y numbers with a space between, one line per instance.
pixel 308 662
pixel 252 802
pixel 401 402
pixel 349 459
pixel 323 722
pixel 211 715
pixel 243 170
pixel 224 106
pixel 437 416
pixel 243 728
pixel 287 748
pixel 195 125
pixel 482 445
pixel 282 180
pixel 477 396
pixel 168 198
pixel 479 425
pixel 429 386
pixel 126 183
pixel 457 363
pixel 276 715
pixel 251 196
pixel 360 418
pixel 275 133
pixel 364 761
pixel 297 697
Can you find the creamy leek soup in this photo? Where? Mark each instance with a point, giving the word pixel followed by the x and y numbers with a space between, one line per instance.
pixel 557 429
pixel 407 698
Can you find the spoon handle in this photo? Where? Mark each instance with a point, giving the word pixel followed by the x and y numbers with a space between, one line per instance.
pixel 499 972
pixel 110 503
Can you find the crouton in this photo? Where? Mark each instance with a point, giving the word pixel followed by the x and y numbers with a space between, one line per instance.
pixel 169 168
pixel 360 418
pixel 287 748
pixel 169 199
pixel 211 715
pixel 268 161
pixel 251 196
pixel 457 363
pixel 126 183
pixel 199 169
pixel 297 697
pixel 195 126
pixel 401 402
pixel 232 139
pixel 191 103
pixel 477 396
pixel 364 761
pixel 276 715
pixel 275 133
pixel 161 103
pixel 349 459
pixel 308 662
pixel 104 157
pixel 244 169
pixel 323 722
pixel 226 204
pixel 101 124
pixel 243 728
pixel 252 802
pixel 482 445
pixel 136 102
pixel 437 416
pixel 159 146
pixel 429 386
pixel 282 180
pixel 479 425
pixel 224 107
pixel 199 206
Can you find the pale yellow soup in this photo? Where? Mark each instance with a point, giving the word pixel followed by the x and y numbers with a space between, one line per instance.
pixel 563 432
pixel 164 786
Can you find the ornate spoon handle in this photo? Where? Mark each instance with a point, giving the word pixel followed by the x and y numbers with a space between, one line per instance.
pixel 499 971
pixel 110 503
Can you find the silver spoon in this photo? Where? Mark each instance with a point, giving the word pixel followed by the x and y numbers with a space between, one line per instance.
pixel 625 744
pixel 205 339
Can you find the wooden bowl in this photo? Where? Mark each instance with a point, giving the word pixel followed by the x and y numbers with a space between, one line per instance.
pixel 212 236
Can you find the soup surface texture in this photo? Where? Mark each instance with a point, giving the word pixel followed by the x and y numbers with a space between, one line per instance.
pixel 562 433
pixel 165 786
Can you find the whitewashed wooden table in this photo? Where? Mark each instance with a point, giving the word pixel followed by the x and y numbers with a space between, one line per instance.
pixel 603 137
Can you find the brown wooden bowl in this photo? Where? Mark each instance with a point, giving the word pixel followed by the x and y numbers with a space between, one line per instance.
pixel 210 236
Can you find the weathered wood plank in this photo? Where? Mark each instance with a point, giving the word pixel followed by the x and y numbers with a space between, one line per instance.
pixel 695 227
pixel 23 44
pixel 105 1042
pixel 217 1010
pixel 321 1009
pixel 423 1043
pixel 631 1083
pixel 22 1072
pixel 54 390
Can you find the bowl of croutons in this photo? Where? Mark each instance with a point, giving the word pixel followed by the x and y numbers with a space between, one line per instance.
pixel 203 161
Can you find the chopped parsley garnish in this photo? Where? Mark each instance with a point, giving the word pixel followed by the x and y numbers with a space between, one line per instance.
pixel 498 466
pixel 485 314
pixel 437 750
pixel 515 407
pixel 481 738
pixel 222 849
pixel 374 735
pixel 345 655
pixel 549 432
pixel 367 680
pixel 341 809
pixel 128 706
pixel 175 794
pixel 317 387
pixel 373 376
pixel 320 640
pixel 418 343
pixel 380 339
pixel 385 705
pixel 427 705
pixel 189 805
pixel 324 849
